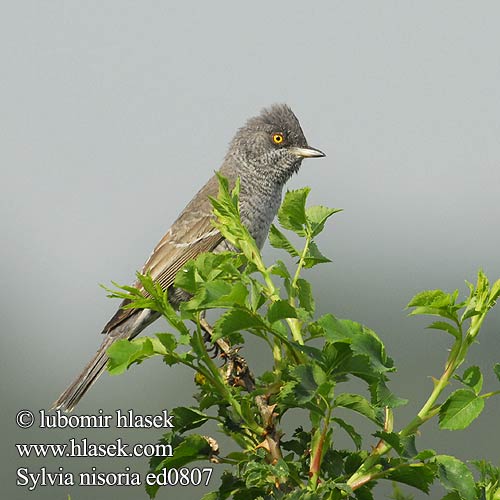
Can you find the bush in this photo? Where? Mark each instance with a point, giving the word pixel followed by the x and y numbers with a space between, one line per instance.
pixel 311 358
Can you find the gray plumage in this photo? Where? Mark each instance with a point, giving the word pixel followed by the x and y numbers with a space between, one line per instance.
pixel 264 154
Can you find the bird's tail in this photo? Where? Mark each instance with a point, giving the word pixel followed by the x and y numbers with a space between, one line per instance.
pixel 72 395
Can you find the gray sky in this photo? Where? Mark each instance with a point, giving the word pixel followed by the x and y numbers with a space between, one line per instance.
pixel 115 113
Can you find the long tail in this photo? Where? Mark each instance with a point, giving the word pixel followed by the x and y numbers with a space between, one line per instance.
pixel 127 329
pixel 72 395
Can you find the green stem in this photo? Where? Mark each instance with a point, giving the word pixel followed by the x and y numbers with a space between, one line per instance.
pixel 365 473
pixel 294 323
pixel 301 263
pixel 487 395
pixel 317 452
pixel 222 387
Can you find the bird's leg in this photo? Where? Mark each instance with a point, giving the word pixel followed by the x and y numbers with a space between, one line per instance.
pixel 220 344
pixel 237 373
pixel 236 367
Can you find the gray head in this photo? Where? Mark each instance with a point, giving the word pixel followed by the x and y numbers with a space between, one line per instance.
pixel 272 144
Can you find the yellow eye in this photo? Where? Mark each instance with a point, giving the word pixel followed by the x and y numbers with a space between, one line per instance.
pixel 278 138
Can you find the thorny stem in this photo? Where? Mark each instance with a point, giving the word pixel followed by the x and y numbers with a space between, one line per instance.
pixel 366 473
pixel 238 373
pixel 273 294
pixel 294 323
pixel 317 452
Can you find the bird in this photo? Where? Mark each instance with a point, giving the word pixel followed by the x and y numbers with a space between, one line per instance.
pixel 264 154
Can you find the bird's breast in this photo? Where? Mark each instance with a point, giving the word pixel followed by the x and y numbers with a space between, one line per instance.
pixel 258 209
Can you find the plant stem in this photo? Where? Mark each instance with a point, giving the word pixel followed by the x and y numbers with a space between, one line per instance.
pixel 317 452
pixel 366 471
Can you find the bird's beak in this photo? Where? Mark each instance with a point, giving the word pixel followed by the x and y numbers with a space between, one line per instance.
pixel 307 152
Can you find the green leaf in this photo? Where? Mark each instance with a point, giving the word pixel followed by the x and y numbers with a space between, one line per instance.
pixel 186 278
pixel 168 341
pixel 307 382
pixel 382 396
pixel 123 353
pixel 229 488
pixel 397 493
pixel 236 320
pixel 314 256
pixel 257 296
pixel 424 455
pixel 434 303
pixel 279 269
pixel 496 370
pixel 292 213
pixel 473 378
pixel 360 405
pixel 460 409
pixel 278 240
pixel 431 298
pixel 351 431
pixel 403 445
pixel 280 309
pixel 188 418
pixel 305 296
pixel 452 495
pixel 455 476
pixel 216 294
pixel 186 450
pixel 494 293
pixel 193 447
pixel 445 327
pixel 317 216
pixel 361 339
pixel 419 475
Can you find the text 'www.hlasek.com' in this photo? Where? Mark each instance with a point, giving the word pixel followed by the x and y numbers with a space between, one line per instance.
pixel 32 478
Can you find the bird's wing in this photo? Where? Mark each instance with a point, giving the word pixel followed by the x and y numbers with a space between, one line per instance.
pixel 190 235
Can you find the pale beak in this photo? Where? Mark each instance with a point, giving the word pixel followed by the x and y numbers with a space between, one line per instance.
pixel 307 152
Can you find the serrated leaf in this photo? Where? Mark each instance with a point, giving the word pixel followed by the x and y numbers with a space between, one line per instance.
pixel 292 213
pixel 257 297
pixel 193 447
pixel 317 216
pixel 122 353
pixel 434 303
pixel 280 309
pixel 168 341
pixel 419 475
pixel 188 418
pixel 362 340
pixel 452 495
pixel 403 445
pixel 494 293
pixel 216 294
pixel 454 475
pixel 460 409
pixel 305 296
pixel 473 378
pixel 306 385
pixel 314 256
pixel 382 396
pixel 351 431
pixel 236 320
pixel 431 298
pixel 445 327
pixel 278 240
pixel 424 455
pixel 186 278
pixel 360 405
pixel 496 370
pixel 279 269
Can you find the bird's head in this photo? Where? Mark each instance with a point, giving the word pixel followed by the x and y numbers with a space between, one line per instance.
pixel 272 144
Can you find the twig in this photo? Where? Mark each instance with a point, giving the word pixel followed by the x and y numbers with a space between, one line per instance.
pixel 237 373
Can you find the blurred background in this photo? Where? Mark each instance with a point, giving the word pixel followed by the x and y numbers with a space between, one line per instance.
pixel 114 113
